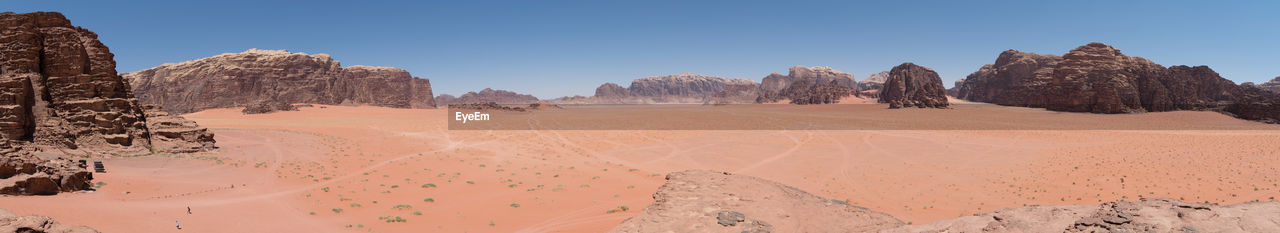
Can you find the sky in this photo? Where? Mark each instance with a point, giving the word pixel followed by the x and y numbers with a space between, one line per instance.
pixel 563 48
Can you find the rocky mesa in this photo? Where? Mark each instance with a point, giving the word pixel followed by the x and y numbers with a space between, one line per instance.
pixel 678 88
pixel 807 83
pixel 485 96
pixel 234 80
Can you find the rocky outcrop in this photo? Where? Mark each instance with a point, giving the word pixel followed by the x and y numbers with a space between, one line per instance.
pixel 707 201
pixel 42 174
pixel 174 134
pixel 1096 78
pixel 10 222
pixel 1145 215
pixel 1272 86
pixel 804 92
pixel 60 93
pixel 1015 79
pixel 489 106
pixel 1256 104
pixel 954 91
pixel 268 106
pixel 911 85
pixel 233 80
pixel 874 82
pixel 744 93
pixel 776 87
pixel 487 95
pixel 612 91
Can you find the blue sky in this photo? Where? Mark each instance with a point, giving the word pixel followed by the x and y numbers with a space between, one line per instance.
pixel 558 48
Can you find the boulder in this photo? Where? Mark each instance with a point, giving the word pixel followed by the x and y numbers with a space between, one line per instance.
pixel 10 222
pixel 911 85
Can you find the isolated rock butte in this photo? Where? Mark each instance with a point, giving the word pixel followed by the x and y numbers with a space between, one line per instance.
pixel 487 95
pixel 706 201
pixel 911 85
pixel 612 90
pixel 233 80
pixel 10 222
pixel 60 93
pixel 776 87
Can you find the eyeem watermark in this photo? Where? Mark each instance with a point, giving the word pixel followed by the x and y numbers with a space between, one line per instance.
pixel 465 117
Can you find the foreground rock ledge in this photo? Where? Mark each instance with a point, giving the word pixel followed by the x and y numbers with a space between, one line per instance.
pixel 707 201
pixel 10 222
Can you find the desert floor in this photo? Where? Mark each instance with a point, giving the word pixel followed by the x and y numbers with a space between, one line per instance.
pixel 338 168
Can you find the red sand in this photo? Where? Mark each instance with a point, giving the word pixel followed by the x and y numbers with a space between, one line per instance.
pixel 351 168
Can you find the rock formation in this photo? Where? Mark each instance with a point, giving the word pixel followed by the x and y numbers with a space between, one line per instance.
pixel 1016 79
pixel 744 93
pixel 612 91
pixel 806 92
pixel 42 174
pixel 268 106
pixel 174 134
pixel 1273 85
pixel 10 222
pixel 776 87
pixel 874 82
pixel 911 85
pixel 234 80
pixel 954 91
pixel 1257 104
pixel 60 93
pixel 1096 78
pixel 487 95
pixel 1145 215
pixel 706 201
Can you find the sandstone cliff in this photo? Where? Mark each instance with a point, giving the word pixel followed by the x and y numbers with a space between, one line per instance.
pixel 777 87
pixel 705 201
pixel 1273 85
pixel 485 96
pixel 874 81
pixel 234 80
pixel 60 93
pixel 1096 78
pixel 911 85
pixel 60 97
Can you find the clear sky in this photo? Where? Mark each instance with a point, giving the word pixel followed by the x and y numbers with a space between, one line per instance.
pixel 558 48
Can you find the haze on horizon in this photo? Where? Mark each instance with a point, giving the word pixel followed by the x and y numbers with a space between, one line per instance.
pixel 564 48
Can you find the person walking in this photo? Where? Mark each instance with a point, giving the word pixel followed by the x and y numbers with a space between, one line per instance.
pixel 188 210
pixel 176 224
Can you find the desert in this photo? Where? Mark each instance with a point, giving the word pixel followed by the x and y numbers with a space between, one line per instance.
pixel 671 117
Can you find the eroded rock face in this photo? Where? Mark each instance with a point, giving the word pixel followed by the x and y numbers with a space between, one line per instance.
pixel 487 95
pixel 1015 79
pixel 1272 86
pixel 10 222
pixel 1256 104
pixel 744 93
pixel 1096 78
pixel 776 87
pixel 234 80
pixel 911 85
pixel 174 134
pixel 268 106
pixel 1146 215
pixel 59 92
pixel 874 82
pixel 612 91
pixel 707 201
pixel 27 174
pixel 680 88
